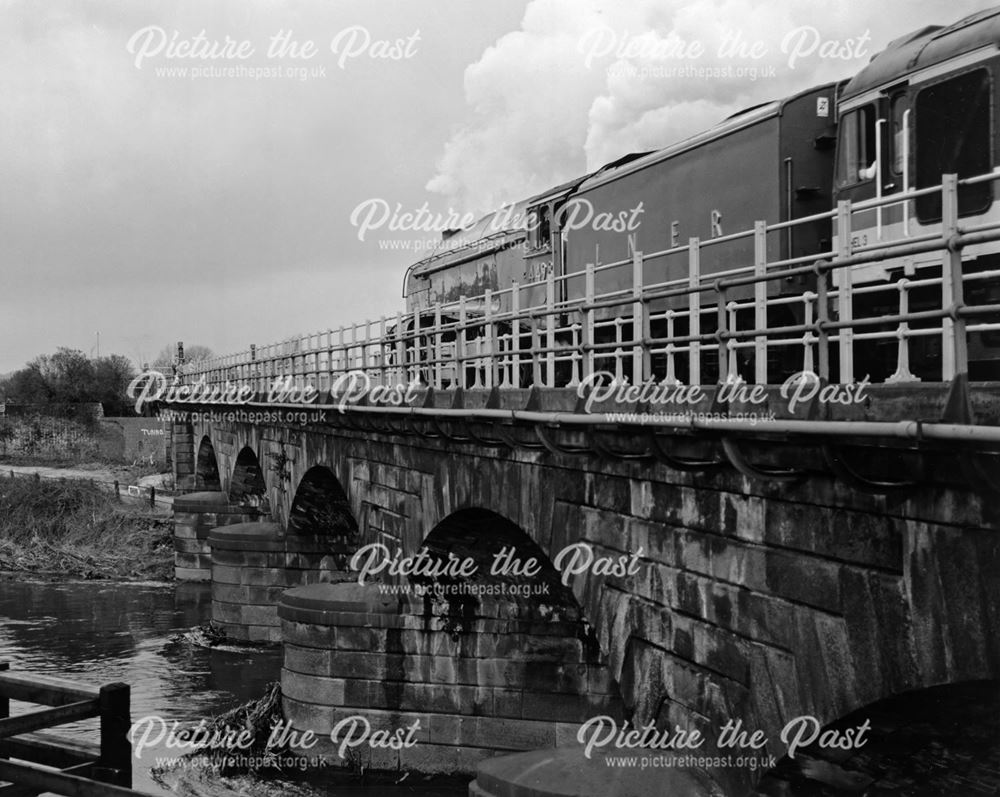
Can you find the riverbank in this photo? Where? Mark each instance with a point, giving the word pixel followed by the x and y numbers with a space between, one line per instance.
pixel 48 467
pixel 75 529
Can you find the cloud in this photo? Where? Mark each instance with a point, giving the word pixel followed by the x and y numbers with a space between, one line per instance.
pixel 586 81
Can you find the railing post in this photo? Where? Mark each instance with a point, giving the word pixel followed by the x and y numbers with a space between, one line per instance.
pixel 844 292
pixel 671 377
pixel 641 363
pixel 694 310
pixel 515 334
pixel 760 301
pixel 575 358
pixel 401 373
pixel 536 364
pixel 732 367
pixel 252 369
pixel 954 346
pixel 722 327
pixel 902 372
pixel 550 327
pixel 488 337
pixel 415 364
pixel 822 316
pixel 345 360
pixel 438 348
pixel 588 333
pixel 460 342
pixel 365 345
pixel 807 337
pixel 382 358
pixel 116 751
pixel 619 339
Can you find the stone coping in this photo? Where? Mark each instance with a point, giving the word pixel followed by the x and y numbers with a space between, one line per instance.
pixel 321 604
pixel 253 536
pixel 202 502
pixel 364 605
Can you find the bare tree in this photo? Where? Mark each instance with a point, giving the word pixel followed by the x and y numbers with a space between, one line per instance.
pixel 192 354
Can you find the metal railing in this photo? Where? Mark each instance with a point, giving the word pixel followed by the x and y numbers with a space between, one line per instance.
pixel 691 327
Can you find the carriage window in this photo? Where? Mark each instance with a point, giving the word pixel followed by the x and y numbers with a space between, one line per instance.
pixel 856 158
pixel 953 120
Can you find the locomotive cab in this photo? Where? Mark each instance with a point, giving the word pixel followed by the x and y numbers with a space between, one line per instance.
pixel 923 108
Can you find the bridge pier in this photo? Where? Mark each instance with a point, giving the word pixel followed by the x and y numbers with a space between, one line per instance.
pixel 182 455
pixel 252 565
pixel 195 515
pixel 462 687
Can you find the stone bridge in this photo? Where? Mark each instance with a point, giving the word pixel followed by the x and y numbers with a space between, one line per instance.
pixel 773 575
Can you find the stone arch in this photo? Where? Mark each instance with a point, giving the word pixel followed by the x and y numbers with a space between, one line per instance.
pixel 247 486
pixel 320 509
pixel 486 537
pixel 934 740
pixel 207 467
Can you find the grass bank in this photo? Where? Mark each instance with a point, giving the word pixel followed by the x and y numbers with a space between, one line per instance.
pixel 74 529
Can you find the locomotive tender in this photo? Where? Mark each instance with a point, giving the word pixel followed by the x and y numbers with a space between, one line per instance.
pixel 921 108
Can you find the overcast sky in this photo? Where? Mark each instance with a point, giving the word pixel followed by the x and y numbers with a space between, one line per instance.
pixel 169 172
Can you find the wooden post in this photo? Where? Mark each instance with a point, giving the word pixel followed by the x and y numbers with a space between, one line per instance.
pixel 115 764
pixel 152 497
pixel 4 700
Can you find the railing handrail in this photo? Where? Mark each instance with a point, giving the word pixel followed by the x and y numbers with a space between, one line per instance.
pixel 411 342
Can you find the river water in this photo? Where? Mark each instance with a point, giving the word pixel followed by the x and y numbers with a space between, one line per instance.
pixel 101 632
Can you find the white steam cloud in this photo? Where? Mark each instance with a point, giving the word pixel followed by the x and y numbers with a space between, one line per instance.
pixel 584 82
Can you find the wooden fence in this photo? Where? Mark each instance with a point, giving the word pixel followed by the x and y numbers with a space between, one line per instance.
pixel 48 763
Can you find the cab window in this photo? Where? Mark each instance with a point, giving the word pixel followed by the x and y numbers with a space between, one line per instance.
pixel 953 136
pixel 897 111
pixel 856 159
pixel 541 227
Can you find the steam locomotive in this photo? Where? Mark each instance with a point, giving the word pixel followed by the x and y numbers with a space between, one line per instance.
pixel 921 108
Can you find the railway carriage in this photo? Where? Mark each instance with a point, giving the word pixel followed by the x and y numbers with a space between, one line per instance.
pixel 771 163
pixel 923 107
